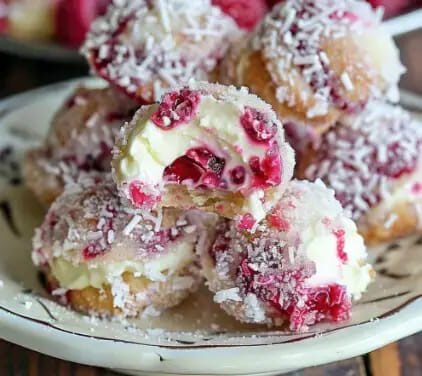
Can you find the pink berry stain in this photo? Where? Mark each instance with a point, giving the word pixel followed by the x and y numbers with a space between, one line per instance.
pixel 341 242
pixel 278 222
pixel 98 247
pixel 303 306
pixel 283 287
pixel 416 189
pixel 246 222
pixel 344 16
pixel 257 126
pixel 177 107
pixel 140 198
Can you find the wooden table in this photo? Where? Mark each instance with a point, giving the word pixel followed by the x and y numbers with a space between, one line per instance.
pixel 399 359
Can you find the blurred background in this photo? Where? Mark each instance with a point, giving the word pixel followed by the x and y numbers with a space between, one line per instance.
pixel 39 40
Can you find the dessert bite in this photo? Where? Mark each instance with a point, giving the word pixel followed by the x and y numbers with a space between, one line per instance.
pixel 144 47
pixel 79 141
pixel 246 13
pixel 304 263
pixel 315 61
pixel 101 257
pixel 372 161
pixel 208 147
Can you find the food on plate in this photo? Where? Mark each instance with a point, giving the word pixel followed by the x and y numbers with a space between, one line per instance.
pixel 144 47
pixel 79 142
pixel 205 146
pixel 101 257
pixel 373 162
pixel 303 264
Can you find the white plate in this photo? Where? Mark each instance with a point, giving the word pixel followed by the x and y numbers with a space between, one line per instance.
pixel 197 337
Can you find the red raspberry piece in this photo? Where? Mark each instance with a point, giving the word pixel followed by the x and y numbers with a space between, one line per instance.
pixel 392 7
pixel 238 175
pixel 177 107
pixel 258 128
pixel 246 13
pixel 340 235
pixel 73 19
pixel 182 169
pixel 141 198
pixel 267 172
pixel 246 222
pixel 200 166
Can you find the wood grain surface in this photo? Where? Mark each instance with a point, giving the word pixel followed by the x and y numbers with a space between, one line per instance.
pixel 403 358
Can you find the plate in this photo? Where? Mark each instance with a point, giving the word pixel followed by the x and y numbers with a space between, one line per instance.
pixel 40 50
pixel 196 338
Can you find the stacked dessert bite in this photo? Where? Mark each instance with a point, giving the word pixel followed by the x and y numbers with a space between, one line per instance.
pixel 199 183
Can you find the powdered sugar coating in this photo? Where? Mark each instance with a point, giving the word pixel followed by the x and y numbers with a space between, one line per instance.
pixel 144 47
pixel 365 157
pixel 303 264
pixel 210 139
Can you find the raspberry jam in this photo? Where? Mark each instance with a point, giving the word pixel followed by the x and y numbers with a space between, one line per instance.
pixel 340 236
pixel 238 175
pixel 267 172
pixel 200 167
pixel 278 222
pixel 286 292
pixel 177 107
pixel 140 198
pixel 329 302
pixel 246 222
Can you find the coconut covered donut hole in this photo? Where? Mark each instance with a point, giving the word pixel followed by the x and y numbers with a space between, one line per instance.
pixel 207 147
pixel 102 258
pixel 303 264
pixel 144 47
pixel 373 162
pixel 315 61
pixel 79 142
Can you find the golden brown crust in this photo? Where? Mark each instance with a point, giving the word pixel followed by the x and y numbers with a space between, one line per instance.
pixel 256 76
pixel 45 186
pixel 160 295
pixel 251 69
pixel 373 225
pixel 226 204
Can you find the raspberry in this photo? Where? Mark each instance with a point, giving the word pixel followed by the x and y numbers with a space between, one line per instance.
pixel 257 127
pixel 177 107
pixel 246 13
